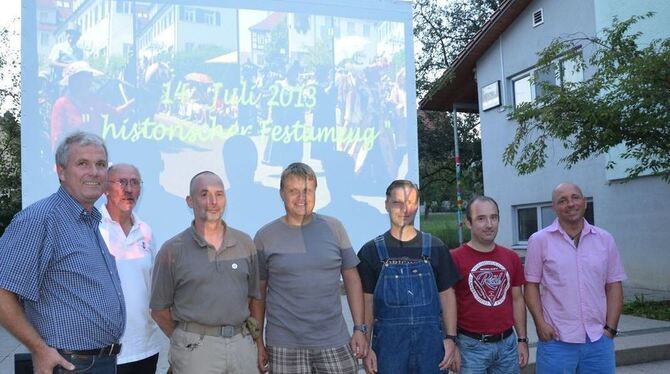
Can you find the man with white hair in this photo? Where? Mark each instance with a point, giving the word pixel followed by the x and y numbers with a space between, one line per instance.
pixel 130 241
pixel 60 293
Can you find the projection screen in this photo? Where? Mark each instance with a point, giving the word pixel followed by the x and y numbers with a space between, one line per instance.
pixel 241 88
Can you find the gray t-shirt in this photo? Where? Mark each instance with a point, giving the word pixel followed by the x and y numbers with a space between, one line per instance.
pixel 302 265
pixel 203 285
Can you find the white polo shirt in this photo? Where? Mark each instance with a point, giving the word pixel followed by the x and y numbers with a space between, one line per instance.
pixel 134 256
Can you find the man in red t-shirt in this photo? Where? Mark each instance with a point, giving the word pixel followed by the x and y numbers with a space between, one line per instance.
pixel 489 297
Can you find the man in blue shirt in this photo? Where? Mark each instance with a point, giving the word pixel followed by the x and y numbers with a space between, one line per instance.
pixel 60 292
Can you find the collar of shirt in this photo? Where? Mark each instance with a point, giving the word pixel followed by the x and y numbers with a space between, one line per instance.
pixel 76 210
pixel 137 222
pixel 228 240
pixel 556 227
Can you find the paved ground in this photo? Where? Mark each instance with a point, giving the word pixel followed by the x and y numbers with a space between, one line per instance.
pixel 638 339
pixel 656 367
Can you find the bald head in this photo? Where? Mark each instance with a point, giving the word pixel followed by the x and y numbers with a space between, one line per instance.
pixel 122 167
pixel 565 187
pixel 193 187
pixel 569 205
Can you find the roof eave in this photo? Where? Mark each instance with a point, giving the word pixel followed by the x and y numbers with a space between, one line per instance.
pixel 458 84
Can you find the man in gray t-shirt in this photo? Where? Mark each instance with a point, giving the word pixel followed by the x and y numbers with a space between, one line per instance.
pixel 301 257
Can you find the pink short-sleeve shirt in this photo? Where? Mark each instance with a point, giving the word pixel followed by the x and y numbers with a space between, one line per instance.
pixel 573 278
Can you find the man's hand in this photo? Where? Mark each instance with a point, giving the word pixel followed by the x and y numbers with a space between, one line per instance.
pixel 545 332
pixel 263 366
pixel 452 357
pixel 522 349
pixel 46 359
pixel 370 363
pixel 359 344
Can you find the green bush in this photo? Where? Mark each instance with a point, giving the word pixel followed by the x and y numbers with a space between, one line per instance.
pixel 443 225
pixel 648 309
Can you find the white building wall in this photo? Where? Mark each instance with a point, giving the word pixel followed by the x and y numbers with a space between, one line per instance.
pixel 636 213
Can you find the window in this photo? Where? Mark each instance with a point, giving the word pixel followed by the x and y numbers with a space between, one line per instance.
pixel 187 14
pixel 523 90
pixel 366 30
pixel 123 7
pixel 571 71
pixel 531 218
pixel 207 17
pixel 259 40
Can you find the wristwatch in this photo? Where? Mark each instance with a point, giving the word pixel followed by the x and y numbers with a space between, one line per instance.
pixel 612 331
pixel 362 328
pixel 522 340
pixel 451 337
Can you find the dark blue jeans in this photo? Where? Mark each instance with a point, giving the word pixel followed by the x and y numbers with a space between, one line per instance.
pixel 89 365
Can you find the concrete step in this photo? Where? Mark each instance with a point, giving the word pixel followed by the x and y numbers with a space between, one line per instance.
pixel 641 340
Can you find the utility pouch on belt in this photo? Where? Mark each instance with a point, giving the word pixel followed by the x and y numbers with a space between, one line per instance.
pixel 252 325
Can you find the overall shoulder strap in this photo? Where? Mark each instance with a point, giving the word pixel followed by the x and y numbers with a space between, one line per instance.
pixel 426 243
pixel 382 251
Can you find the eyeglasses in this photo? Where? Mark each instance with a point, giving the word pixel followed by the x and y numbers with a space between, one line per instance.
pixel 132 182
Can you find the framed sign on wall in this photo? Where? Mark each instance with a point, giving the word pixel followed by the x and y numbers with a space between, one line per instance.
pixel 491 95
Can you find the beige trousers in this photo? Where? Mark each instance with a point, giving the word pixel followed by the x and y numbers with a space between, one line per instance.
pixel 202 354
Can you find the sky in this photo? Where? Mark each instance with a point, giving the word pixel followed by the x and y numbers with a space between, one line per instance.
pixel 10 10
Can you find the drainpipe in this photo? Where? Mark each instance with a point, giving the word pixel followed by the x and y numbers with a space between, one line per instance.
pixel 457 161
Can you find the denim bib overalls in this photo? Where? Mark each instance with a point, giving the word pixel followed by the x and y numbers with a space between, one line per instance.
pixel 407 335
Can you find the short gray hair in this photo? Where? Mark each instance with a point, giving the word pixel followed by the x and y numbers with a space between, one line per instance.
pixel 116 166
pixel 297 169
pixel 191 184
pixel 80 138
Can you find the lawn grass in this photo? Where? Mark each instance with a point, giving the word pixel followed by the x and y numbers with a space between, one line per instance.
pixel 648 309
pixel 443 225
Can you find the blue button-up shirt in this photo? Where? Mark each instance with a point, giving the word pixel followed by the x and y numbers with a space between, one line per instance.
pixel 53 257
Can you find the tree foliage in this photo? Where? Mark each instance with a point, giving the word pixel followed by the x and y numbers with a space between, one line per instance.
pixel 437 161
pixel 626 101
pixel 10 133
pixel 442 30
pixel 10 168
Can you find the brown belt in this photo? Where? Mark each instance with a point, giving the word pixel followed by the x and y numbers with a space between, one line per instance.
pixel 225 331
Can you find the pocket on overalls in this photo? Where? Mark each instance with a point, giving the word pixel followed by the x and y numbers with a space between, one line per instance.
pixel 407 288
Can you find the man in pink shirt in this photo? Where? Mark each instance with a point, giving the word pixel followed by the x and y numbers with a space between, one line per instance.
pixel 577 311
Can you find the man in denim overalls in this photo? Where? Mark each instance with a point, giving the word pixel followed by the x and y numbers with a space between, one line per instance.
pixel 407 278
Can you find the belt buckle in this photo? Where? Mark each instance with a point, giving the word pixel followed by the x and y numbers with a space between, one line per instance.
pixel 228 331
pixel 485 338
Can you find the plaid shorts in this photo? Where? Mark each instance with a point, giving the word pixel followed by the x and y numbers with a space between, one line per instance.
pixel 338 360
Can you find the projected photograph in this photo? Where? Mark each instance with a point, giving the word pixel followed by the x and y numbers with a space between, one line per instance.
pixel 176 88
